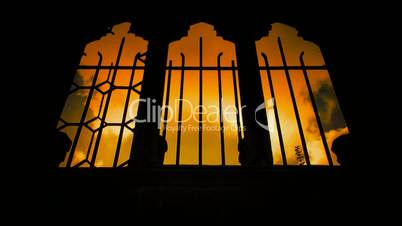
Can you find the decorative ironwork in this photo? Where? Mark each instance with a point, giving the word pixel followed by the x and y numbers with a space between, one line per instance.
pixel 97 124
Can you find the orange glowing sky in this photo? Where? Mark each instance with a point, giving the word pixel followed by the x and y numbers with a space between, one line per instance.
pixel 329 110
pixel 109 44
pixel 212 46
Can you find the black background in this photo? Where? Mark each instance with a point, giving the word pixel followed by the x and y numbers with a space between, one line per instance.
pixel 47 45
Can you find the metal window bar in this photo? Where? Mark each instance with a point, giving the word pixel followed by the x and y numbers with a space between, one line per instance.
pixel 123 120
pixel 271 87
pixel 167 100
pixel 299 125
pixel 221 128
pixel 315 109
pixel 204 68
pixel 200 115
pixel 234 77
pixel 180 110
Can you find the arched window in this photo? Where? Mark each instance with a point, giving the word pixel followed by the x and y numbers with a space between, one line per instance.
pixel 201 100
pixel 96 116
pixel 302 110
pixel 201 118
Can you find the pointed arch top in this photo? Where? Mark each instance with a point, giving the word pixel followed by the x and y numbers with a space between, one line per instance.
pixel 213 45
pixel 293 46
pixel 108 46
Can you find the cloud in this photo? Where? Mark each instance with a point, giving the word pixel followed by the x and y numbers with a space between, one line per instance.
pixel 329 110
pixel 331 118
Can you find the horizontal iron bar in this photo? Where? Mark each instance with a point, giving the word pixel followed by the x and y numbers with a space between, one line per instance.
pixel 196 68
pixel 110 67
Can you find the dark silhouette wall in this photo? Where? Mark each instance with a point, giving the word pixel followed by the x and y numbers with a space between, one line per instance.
pixel 148 192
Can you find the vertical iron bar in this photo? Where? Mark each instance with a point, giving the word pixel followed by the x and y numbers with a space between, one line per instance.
pixel 180 110
pixel 221 128
pixel 200 113
pixel 236 102
pixel 299 125
pixel 103 94
pixel 90 145
pixel 317 116
pixel 271 87
pixel 123 120
pixel 105 110
pixel 84 113
pixel 167 99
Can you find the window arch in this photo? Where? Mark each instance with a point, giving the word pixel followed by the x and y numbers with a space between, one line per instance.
pixel 303 114
pixel 96 115
pixel 201 71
